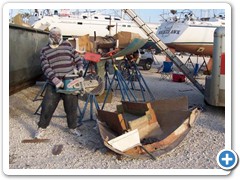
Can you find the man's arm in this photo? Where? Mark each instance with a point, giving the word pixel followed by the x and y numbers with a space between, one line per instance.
pixel 48 71
pixel 78 62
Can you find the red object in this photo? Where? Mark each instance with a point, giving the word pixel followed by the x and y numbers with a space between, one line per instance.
pixel 111 53
pixel 222 70
pixel 92 57
pixel 178 77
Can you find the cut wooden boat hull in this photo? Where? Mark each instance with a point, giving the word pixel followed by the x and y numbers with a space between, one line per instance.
pixel 160 129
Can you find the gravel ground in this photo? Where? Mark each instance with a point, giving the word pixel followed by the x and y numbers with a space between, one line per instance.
pixel 197 151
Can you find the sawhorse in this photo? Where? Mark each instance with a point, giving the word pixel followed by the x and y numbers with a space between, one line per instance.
pixel 93 101
pixel 41 91
pixel 134 75
pixel 124 89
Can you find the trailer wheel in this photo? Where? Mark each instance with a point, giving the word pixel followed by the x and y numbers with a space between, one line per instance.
pixel 148 64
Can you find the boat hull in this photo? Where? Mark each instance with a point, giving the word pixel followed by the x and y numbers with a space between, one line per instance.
pixel 99 27
pixel 190 37
pixel 197 49
pixel 162 125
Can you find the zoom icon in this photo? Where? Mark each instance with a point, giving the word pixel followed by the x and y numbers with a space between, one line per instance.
pixel 227 159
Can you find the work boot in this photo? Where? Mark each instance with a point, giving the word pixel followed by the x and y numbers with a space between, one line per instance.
pixel 75 132
pixel 40 133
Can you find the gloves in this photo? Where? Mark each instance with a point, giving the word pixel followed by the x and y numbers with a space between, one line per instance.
pixel 60 85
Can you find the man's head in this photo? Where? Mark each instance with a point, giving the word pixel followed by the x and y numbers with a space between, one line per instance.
pixel 55 36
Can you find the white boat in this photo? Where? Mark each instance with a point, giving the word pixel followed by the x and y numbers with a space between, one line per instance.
pixel 88 23
pixel 186 33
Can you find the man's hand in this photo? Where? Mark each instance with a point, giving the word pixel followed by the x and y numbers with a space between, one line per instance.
pixel 60 85
pixel 80 73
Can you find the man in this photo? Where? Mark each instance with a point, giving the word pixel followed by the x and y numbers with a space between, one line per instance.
pixel 58 59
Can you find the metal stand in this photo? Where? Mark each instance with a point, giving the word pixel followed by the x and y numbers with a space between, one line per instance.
pixel 107 80
pixel 189 61
pixel 40 92
pixel 126 92
pixel 90 99
pixel 204 64
pixel 106 76
pixel 87 67
pixel 136 76
pixel 84 75
pixel 142 82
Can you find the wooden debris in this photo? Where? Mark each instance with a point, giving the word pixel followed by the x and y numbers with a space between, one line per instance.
pixel 35 140
pixel 143 129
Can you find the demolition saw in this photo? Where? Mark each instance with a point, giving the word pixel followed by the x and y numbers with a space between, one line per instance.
pixel 91 84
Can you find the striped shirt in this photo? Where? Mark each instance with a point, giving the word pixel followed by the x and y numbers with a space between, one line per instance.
pixel 57 62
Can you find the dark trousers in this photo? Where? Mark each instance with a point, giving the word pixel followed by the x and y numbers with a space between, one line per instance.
pixel 50 103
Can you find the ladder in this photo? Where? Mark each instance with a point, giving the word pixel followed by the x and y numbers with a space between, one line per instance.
pixel 164 48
